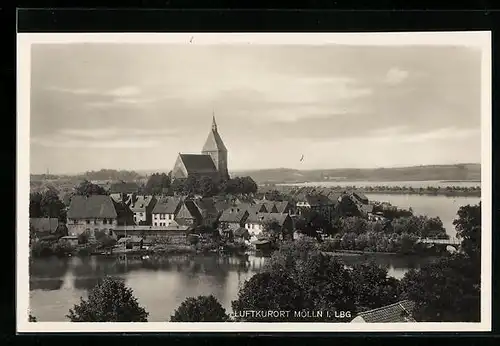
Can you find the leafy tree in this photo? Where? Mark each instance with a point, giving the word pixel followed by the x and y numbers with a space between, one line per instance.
pixel 109 301
pixel 446 291
pixel 373 286
pixel 87 188
pixel 269 291
pixel 83 238
pixel 272 229
pixel 157 183
pixel 356 225
pixel 200 309
pixel 468 227
pixel 35 204
pixel 310 222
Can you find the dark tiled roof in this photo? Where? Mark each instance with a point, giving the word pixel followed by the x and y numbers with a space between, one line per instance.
pixel 318 200
pixel 242 233
pixel 360 196
pixel 94 206
pixel 124 187
pixel 44 224
pixel 196 163
pixel 233 214
pixel 140 203
pixel 262 218
pixel 168 205
pixel 397 312
pixel 282 206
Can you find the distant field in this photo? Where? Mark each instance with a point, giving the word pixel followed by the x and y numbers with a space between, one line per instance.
pixel 455 173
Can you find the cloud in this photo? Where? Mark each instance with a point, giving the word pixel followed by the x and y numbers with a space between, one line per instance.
pixel 396 76
pixel 79 143
pixel 125 91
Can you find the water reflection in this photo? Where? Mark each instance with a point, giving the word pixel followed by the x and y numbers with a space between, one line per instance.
pixel 161 283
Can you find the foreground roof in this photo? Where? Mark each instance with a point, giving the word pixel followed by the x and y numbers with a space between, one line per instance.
pixel 397 312
pixel 168 205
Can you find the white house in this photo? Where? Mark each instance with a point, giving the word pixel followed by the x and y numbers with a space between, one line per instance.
pixel 165 211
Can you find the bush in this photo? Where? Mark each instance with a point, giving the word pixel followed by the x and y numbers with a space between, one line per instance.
pixel 200 309
pixel 109 301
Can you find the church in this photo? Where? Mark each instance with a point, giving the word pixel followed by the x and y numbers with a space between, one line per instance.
pixel 212 161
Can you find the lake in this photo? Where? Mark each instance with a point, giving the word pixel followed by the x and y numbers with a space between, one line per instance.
pixel 162 283
pixel 408 184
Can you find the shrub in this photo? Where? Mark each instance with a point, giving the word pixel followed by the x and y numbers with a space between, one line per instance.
pixel 200 309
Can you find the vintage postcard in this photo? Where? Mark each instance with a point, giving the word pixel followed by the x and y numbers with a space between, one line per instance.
pixel 254 182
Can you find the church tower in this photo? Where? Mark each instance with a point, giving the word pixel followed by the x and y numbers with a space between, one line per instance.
pixel 214 146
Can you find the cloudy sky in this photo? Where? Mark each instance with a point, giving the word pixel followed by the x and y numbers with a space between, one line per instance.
pixel 130 106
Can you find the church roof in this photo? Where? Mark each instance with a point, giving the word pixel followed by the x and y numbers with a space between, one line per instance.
pixel 198 163
pixel 214 141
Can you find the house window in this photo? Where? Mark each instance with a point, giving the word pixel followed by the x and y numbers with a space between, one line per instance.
pixel 88 222
pixel 105 221
pixel 110 233
pixel 141 214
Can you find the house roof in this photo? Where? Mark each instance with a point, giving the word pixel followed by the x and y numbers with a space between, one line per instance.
pixel 397 312
pixel 206 205
pixel 124 187
pixel 233 214
pixel 132 239
pixel 140 203
pixel 317 200
pixel 44 224
pixel 168 205
pixel 360 196
pixel 90 207
pixel 189 210
pixel 241 232
pixel 262 218
pixel 281 206
pixel 198 163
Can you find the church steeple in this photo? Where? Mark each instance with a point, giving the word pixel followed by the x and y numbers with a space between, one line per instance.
pixel 214 146
pixel 214 124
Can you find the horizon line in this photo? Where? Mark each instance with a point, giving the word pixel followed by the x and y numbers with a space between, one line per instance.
pixel 158 170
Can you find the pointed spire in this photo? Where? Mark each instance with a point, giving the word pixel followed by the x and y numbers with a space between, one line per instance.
pixel 214 124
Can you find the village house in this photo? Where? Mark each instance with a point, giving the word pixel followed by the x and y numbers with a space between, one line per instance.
pixel 165 211
pixel 393 313
pixel 189 214
pixel 232 219
pixel 124 190
pixel 142 207
pixel 96 213
pixel 255 223
pixel 321 204
pixel 241 235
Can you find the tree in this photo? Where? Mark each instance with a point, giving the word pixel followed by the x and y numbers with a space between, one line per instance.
pixel 109 301
pixel 273 229
pixel 35 201
pixel 468 227
pixel 445 291
pixel 157 183
pixel 200 309
pixel 373 286
pixel 269 291
pixel 86 188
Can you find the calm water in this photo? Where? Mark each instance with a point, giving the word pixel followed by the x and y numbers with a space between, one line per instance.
pixel 160 284
pixel 444 207
pixel 414 184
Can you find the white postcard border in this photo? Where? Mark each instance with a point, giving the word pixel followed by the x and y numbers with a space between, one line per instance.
pixel 477 39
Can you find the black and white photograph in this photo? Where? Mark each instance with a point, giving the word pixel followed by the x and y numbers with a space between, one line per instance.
pixel 254 182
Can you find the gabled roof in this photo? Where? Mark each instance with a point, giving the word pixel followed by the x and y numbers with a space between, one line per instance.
pixel 168 205
pixel 189 210
pixel 140 203
pixel 397 312
pixel 281 206
pixel 241 233
pixel 90 207
pixel 262 218
pixel 359 196
pixel 318 200
pixel 124 187
pixel 198 163
pixel 233 214
pixel 44 224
